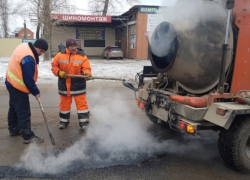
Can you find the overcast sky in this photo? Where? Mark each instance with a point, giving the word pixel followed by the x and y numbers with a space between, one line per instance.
pixel 84 5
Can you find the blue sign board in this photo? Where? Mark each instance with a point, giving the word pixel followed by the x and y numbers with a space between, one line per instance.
pixel 90 33
pixel 149 9
pixel 28 40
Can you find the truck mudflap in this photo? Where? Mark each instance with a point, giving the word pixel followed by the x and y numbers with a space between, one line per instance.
pixel 223 114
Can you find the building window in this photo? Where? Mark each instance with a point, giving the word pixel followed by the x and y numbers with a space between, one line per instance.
pixel 132 29
pixel 94 43
pixel 28 34
pixel 22 34
pixel 132 41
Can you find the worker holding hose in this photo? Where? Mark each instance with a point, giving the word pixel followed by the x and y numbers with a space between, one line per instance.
pixel 21 77
pixel 72 61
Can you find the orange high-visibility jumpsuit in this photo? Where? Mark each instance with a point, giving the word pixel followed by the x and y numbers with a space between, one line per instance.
pixel 77 64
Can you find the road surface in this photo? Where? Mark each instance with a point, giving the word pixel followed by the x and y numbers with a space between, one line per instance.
pixel 121 143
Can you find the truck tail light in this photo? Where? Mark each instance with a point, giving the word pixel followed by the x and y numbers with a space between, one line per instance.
pixel 137 102
pixel 183 125
pixel 142 105
pixel 187 127
pixel 221 111
pixel 190 129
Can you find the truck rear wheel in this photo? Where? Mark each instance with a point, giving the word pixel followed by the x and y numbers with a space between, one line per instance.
pixel 234 144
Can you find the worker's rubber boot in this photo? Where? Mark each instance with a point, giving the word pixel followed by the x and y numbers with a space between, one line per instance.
pixel 34 139
pixel 64 120
pixel 63 125
pixel 84 125
pixel 83 120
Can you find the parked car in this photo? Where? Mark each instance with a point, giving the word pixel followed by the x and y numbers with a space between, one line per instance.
pixel 112 52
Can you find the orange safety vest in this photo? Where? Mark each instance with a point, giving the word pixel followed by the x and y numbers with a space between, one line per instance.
pixel 14 72
pixel 72 64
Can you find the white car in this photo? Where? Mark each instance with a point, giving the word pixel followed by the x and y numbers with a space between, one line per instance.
pixel 112 52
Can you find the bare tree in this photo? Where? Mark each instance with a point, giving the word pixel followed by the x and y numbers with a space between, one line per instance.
pixel 9 12
pixel 42 10
pixel 38 27
pixel 105 9
pixel 41 7
pixel 102 7
pixel 4 17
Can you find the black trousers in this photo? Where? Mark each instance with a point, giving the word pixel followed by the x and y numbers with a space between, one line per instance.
pixel 19 113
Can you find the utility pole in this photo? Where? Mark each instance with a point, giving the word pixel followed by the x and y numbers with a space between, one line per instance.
pixel 25 32
pixel 127 38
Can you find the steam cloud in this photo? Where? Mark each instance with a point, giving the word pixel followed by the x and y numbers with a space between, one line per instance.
pixel 184 15
pixel 116 136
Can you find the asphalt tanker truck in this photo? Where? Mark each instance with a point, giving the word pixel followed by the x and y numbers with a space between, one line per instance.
pixel 200 77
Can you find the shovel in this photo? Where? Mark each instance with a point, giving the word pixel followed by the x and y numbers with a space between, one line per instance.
pixel 92 78
pixel 45 120
pixel 131 84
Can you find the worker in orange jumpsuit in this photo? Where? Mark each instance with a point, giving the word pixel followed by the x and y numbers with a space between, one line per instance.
pixel 72 61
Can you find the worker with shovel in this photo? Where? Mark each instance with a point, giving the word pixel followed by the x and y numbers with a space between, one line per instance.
pixel 21 77
pixel 72 61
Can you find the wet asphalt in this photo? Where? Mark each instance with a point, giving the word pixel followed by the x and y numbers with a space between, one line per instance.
pixel 191 158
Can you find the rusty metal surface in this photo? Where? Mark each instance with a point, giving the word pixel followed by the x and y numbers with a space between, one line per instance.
pixel 241 75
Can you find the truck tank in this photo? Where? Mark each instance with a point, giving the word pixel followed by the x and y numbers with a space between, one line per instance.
pixel 192 56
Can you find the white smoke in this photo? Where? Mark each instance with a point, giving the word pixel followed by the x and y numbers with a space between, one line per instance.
pixel 186 14
pixel 115 134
